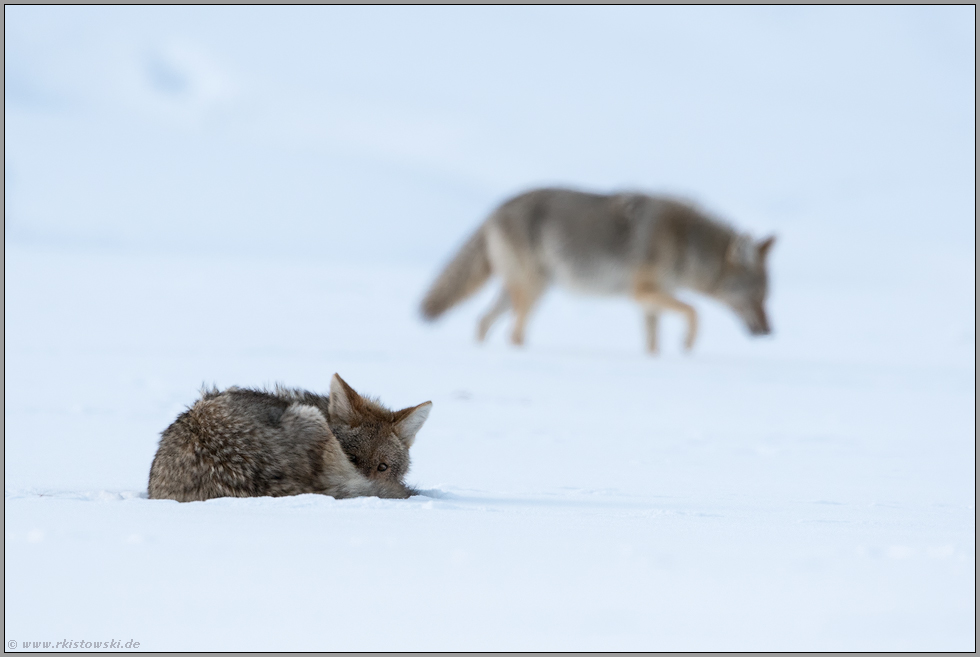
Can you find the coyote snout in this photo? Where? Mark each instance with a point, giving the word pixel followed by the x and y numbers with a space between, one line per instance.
pixel 756 321
pixel 646 247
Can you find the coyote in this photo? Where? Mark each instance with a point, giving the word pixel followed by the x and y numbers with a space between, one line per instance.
pixel 252 443
pixel 622 244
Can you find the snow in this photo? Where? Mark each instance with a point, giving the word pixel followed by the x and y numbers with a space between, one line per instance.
pixel 184 207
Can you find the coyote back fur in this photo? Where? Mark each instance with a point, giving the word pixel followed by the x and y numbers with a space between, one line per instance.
pixel 251 443
pixel 646 247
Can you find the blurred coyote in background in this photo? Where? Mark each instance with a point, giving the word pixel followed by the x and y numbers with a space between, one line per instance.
pixel 643 246
pixel 253 443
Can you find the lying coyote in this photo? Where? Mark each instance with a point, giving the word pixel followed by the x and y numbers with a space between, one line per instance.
pixel 252 443
pixel 623 244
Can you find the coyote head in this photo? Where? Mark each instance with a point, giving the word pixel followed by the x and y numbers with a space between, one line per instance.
pixel 375 439
pixel 744 282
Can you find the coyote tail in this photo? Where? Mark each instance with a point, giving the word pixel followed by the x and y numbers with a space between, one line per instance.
pixel 463 276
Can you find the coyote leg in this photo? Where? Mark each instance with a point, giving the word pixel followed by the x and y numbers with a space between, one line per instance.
pixel 522 301
pixel 499 307
pixel 656 300
pixel 652 319
pixel 523 280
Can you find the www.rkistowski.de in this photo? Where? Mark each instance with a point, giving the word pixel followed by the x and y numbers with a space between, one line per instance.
pixel 74 645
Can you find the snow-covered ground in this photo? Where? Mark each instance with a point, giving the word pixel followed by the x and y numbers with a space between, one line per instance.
pixel 184 206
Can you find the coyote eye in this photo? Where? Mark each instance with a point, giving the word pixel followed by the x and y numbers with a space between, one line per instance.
pixel 353 459
pixel 382 467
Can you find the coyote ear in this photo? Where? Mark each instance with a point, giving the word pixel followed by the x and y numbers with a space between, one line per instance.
pixel 408 421
pixel 343 399
pixel 764 247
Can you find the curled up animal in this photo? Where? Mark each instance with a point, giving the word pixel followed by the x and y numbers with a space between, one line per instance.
pixel 242 442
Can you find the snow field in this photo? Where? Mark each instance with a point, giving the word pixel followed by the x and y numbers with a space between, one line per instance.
pixel 576 494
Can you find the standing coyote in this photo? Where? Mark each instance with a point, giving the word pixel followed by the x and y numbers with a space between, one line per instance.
pixel 642 246
pixel 252 443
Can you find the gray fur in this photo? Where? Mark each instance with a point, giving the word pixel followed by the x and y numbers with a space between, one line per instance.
pixel 647 247
pixel 250 443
